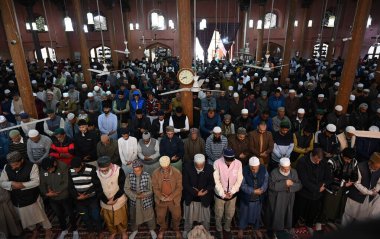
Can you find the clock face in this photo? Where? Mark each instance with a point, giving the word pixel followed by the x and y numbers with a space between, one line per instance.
pixel 185 76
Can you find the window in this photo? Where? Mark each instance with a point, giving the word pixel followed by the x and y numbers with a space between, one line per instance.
pixel 96 53
pixel 374 51
pixel 47 53
pixel 199 50
pixel 100 22
pixel 157 21
pixel 329 20
pixel 270 20
pixel 38 24
pixel 320 51
pixel 216 48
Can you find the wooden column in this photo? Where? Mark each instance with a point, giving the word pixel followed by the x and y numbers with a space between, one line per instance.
pixel 333 42
pixel 18 57
pixel 260 33
pixel 84 51
pixel 111 30
pixel 243 25
pixel 305 21
pixel 185 52
pixel 351 59
pixel 288 39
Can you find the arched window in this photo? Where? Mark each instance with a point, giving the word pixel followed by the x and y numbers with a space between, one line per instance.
pixel 374 51
pixel 270 20
pixel 96 53
pixel 320 51
pixel 100 22
pixel 329 20
pixel 39 24
pixel 157 21
pixel 47 52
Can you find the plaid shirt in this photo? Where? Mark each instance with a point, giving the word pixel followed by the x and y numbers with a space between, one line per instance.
pixel 147 202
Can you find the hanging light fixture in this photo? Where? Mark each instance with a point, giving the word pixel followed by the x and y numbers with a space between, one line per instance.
pixel 250 23
pixel 68 24
pixel 90 18
pixel 131 26
pixel 27 25
pixel 85 28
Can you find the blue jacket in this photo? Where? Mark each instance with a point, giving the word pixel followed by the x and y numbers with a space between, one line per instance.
pixel 256 121
pixel 274 103
pixel 247 186
pixel 207 124
pixel 172 147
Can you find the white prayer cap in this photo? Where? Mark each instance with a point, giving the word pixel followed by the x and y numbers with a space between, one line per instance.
pixel 292 91
pixel 33 133
pixel 375 65
pixel 300 83
pixel 245 71
pixel 337 84
pixel 65 94
pixel 244 111
pixel 374 128
pixel 217 130
pixel 321 96
pixel 7 91
pixel 96 88
pixel 350 129
pixel 11 82
pixel 2 119
pixel 79 66
pixel 301 111
pixel 34 94
pixel 133 87
pixel 90 94
pixel 154 73
pixel 217 86
pixel 352 97
pixel 11 64
pixel 331 128
pixel 108 92
pixel 84 86
pixel 142 74
pixel 236 95
pixel 34 82
pixel 275 79
pixel 49 92
pixel 199 159
pixel 164 161
pixel 338 108
pixel 207 80
pixel 284 162
pixel 264 79
pixel 366 90
pixel 230 87
pixel 279 88
pixel 95 66
pixel 360 85
pixel 70 116
pixel 254 161
pixel 256 75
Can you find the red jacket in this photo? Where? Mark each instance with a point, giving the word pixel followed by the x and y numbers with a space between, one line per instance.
pixel 66 147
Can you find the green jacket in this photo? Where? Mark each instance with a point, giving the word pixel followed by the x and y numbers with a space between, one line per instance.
pixel 56 181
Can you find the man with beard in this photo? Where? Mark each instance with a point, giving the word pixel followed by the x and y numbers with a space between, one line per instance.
pixel 159 125
pixel 92 107
pixel 344 172
pixel 66 106
pixel 54 122
pixel 180 122
pixel 240 144
pixel 21 178
pixel 167 188
pixel 292 104
pixel 338 119
pixel 261 143
pixel 283 185
pixel 120 106
pixel 138 188
pixel 328 141
pixel 279 118
pixel 228 176
pixel 108 147
pixel 38 146
pixel 127 146
pixel 208 102
pixel 298 124
pixel 228 128
pixel 18 143
pixel 263 117
pixel 112 198
pixel 215 144
pixel 140 124
pixel 85 143
pixel 244 121
pixel 107 122
pixel 253 187
pixel 222 104
pixel 303 143
pixel 148 151
pixel 198 185
pixel 172 146
pixel 193 145
pixel 347 139
pixel 209 120
pixel 283 145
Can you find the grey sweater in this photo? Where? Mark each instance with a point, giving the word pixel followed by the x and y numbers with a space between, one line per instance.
pixel 40 150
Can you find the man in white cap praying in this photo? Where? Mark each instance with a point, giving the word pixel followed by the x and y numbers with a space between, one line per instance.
pixel 253 187
pixel 92 107
pixel 236 105
pixel 283 185
pixel 38 146
pixel 337 118
pixel 215 144
pixel 167 189
pixel 327 141
pixel 359 118
pixel 292 103
pixel 198 186
pixel 347 139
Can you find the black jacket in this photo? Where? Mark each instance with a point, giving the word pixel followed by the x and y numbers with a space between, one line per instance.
pixel 138 124
pixel 312 177
pixel 156 128
pixel 85 145
pixel 204 180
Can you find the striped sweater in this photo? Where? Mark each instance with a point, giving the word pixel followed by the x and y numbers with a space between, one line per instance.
pixel 83 182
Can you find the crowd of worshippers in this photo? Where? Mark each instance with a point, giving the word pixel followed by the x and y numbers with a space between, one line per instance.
pixel 278 155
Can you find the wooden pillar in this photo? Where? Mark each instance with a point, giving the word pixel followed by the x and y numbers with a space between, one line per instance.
pixel 111 30
pixel 18 57
pixel 243 18
pixel 305 21
pixel 260 33
pixel 333 42
pixel 84 51
pixel 351 59
pixel 185 52
pixel 288 39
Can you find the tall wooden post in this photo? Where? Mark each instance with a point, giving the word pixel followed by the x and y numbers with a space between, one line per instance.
pixel 18 57
pixel 353 54
pixel 333 42
pixel 289 38
pixel 243 19
pixel 84 51
pixel 260 32
pixel 305 20
pixel 185 52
